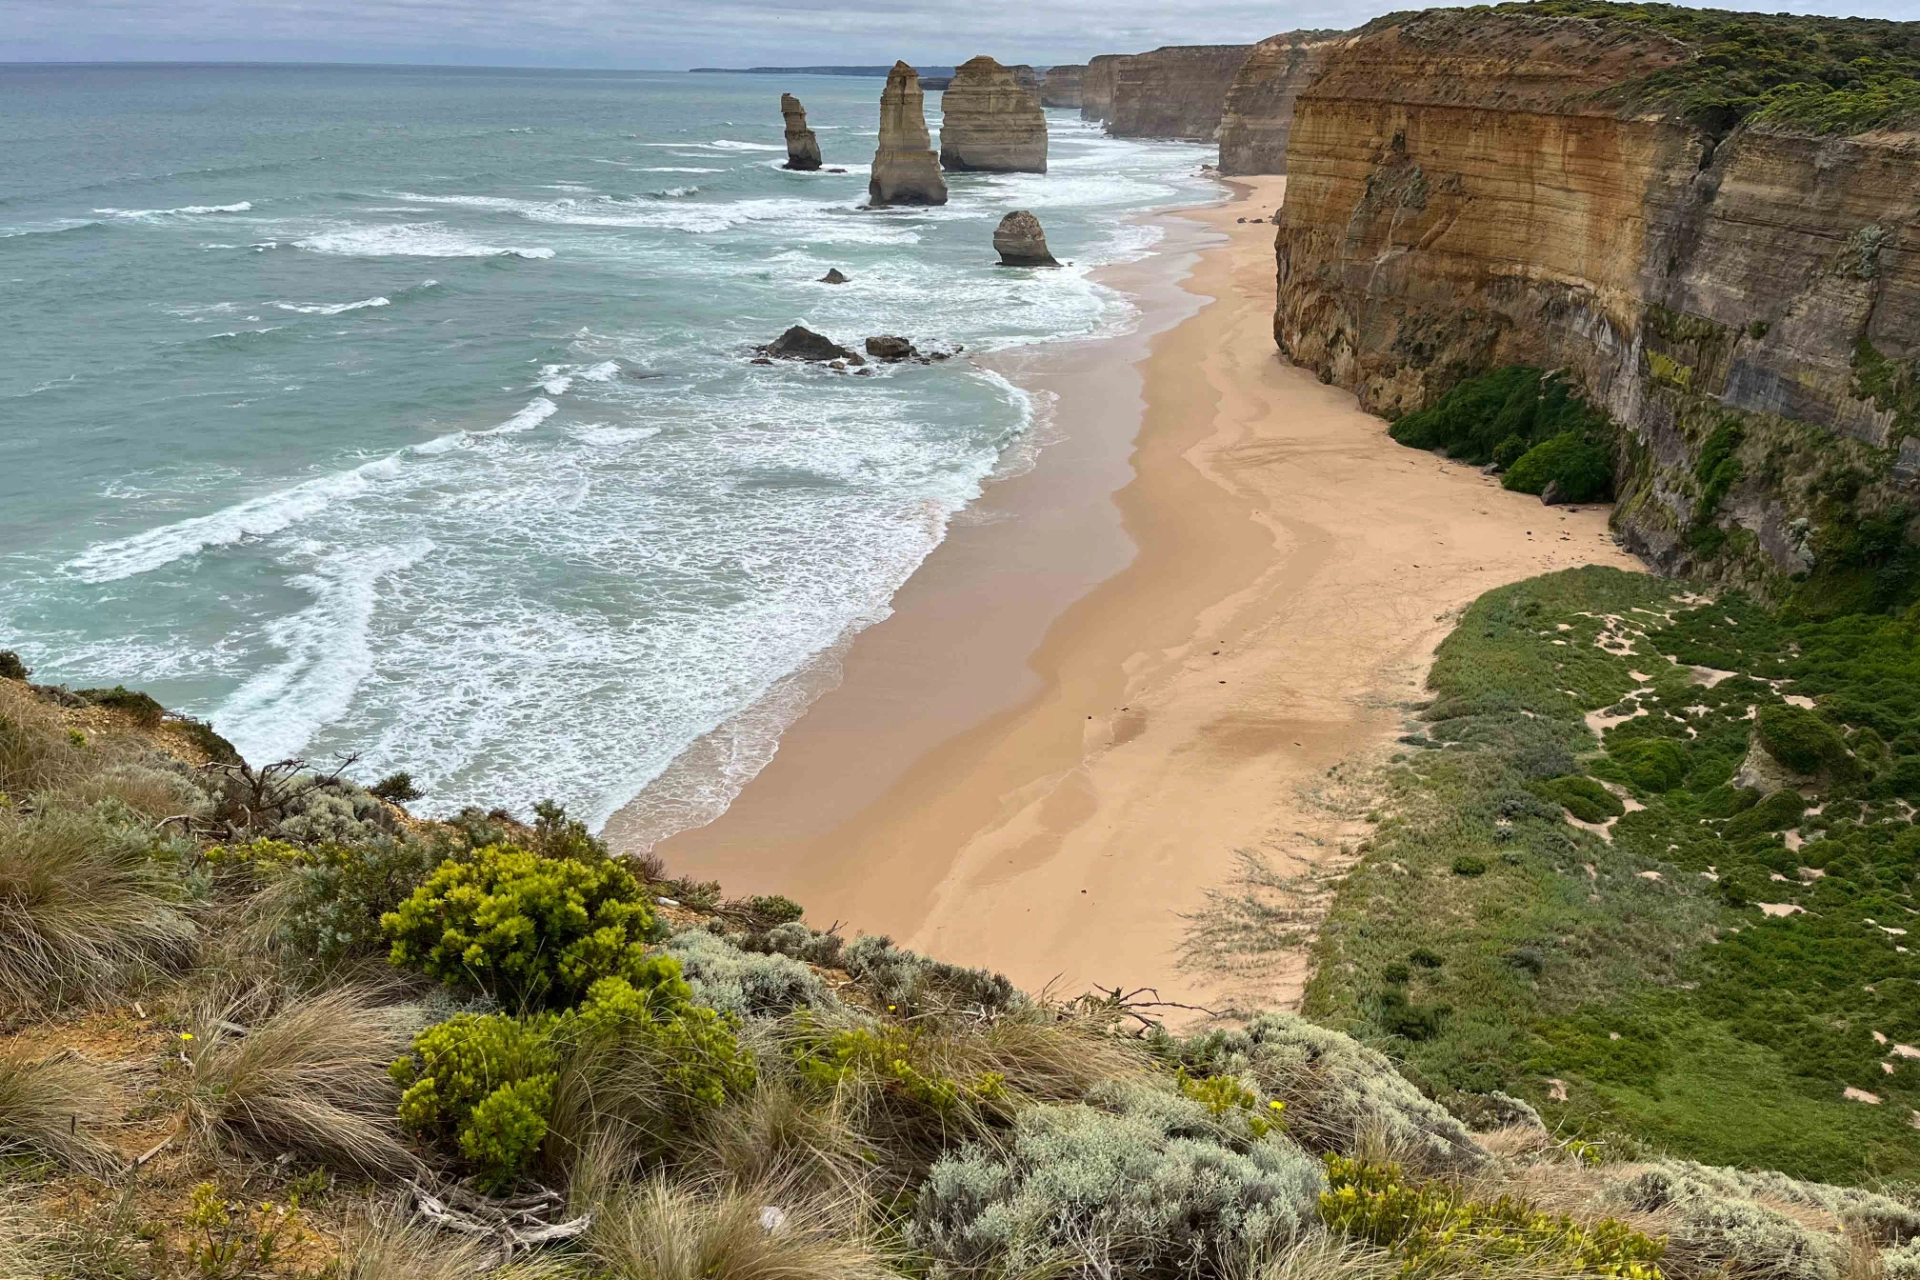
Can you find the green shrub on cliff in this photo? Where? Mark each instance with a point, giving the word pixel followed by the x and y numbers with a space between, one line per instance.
pixel 1528 421
pixel 526 929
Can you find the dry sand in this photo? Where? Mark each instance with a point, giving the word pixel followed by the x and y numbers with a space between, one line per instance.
pixel 1115 677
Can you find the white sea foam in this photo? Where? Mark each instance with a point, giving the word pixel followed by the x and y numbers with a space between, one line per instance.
pixel 333 309
pixel 606 437
pixel 671 168
pixel 728 144
pixel 185 210
pixel 410 240
pixel 676 193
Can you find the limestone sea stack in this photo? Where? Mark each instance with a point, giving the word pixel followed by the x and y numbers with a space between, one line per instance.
pixel 1020 242
pixel 990 123
pixel 1096 86
pixel 1259 110
pixel 1176 92
pixel 905 169
pixel 803 148
pixel 1060 86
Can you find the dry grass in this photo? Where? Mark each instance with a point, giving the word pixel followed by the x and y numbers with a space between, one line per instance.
pixel 35 749
pixel 1325 1257
pixel 779 1135
pixel 310 1079
pixel 1044 1057
pixel 50 1106
pixel 395 1249
pixel 81 904
pixel 659 1231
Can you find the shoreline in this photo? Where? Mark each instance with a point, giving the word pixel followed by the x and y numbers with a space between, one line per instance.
pixel 1201 632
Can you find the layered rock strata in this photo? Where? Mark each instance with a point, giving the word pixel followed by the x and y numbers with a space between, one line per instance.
pixel 1258 113
pixel 905 169
pixel 803 148
pixel 1096 86
pixel 1176 92
pixel 1020 241
pixel 1460 198
pixel 1060 86
pixel 990 123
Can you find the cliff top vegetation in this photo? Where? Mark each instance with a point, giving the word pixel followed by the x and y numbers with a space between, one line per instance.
pixel 1790 72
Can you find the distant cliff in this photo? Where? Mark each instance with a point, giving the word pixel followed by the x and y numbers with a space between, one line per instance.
pixel 1735 279
pixel 1259 109
pixel 1060 86
pixel 1096 86
pixel 1176 92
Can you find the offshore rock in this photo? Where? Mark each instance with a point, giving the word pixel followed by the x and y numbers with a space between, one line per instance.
pixel 886 346
pixel 1258 114
pixel 1176 92
pixel 1096 86
pixel 1020 242
pixel 802 343
pixel 1465 192
pixel 1060 86
pixel 905 169
pixel 834 276
pixel 990 123
pixel 803 148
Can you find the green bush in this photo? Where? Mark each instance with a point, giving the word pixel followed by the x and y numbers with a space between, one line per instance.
pixel 744 983
pixel 1533 424
pixel 1583 797
pixel 1432 1231
pixel 485 1082
pixel 1581 468
pixel 1801 740
pixel 909 983
pixel 139 706
pixel 11 667
pixel 397 788
pixel 1469 865
pixel 529 930
pixel 1779 811
pixel 689 1048
pixel 1651 764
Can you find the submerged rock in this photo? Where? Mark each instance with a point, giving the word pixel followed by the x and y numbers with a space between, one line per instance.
pixel 802 343
pixel 905 169
pixel 833 276
pixel 990 122
pixel 888 347
pixel 803 148
pixel 1020 241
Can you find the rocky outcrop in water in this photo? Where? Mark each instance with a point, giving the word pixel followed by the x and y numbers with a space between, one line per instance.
pixel 990 123
pixel 1176 92
pixel 1096 86
pixel 802 343
pixel 1020 241
pixel 1469 190
pixel 803 148
pixel 1060 86
pixel 1258 113
pixel 905 169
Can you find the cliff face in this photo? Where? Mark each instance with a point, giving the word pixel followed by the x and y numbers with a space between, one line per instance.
pixel 803 145
pixel 990 122
pixel 1060 87
pixel 905 170
pixel 1259 109
pixel 1096 86
pixel 1457 201
pixel 1176 92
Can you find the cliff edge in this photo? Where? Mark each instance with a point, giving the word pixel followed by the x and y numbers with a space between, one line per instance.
pixel 1175 92
pixel 1258 114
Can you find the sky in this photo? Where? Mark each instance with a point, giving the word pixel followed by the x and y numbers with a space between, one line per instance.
pixel 669 35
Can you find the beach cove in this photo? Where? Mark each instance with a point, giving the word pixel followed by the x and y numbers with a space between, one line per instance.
pixel 1143 655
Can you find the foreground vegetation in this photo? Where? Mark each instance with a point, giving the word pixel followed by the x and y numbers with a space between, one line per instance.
pixel 263 1022
pixel 1687 934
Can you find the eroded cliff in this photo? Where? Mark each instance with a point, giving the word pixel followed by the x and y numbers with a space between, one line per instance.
pixel 1179 91
pixel 991 122
pixel 1469 190
pixel 1060 86
pixel 1258 113
pixel 1096 86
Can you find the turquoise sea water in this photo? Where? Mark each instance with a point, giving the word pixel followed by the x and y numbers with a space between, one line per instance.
pixel 409 412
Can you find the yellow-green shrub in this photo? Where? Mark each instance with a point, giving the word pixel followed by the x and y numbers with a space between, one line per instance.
pixel 530 930
pixel 1434 1232
pixel 485 1082
pixel 887 1053
pixel 1224 1097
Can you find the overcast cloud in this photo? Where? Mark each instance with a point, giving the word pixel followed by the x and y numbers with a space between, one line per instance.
pixel 674 34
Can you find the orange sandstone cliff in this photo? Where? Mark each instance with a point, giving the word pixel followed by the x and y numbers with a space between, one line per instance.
pixel 1258 113
pixel 1467 191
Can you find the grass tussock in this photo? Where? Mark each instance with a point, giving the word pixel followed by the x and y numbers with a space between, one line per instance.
pixel 660 1231
pixel 310 1079
pixel 52 1108
pixel 83 902
pixel 391 1248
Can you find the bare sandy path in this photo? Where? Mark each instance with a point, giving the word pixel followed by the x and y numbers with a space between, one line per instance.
pixel 1293 571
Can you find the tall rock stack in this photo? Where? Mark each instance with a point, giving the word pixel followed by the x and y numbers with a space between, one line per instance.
pixel 1096 86
pixel 990 122
pixel 1259 111
pixel 803 148
pixel 1060 86
pixel 1176 92
pixel 905 169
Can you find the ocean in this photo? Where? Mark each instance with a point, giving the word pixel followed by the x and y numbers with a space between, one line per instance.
pixel 409 413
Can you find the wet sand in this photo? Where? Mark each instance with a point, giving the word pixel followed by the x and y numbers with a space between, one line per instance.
pixel 1143 655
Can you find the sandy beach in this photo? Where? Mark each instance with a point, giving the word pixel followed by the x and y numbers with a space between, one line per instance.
pixel 1143 655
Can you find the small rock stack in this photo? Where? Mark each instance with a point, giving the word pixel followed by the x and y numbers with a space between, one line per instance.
pixel 905 169
pixel 1020 242
pixel 803 148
